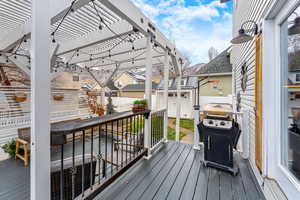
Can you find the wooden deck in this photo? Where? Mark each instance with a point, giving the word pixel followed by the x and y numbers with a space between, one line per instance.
pixel 176 172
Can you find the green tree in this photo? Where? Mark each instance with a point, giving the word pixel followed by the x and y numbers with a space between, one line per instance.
pixel 110 107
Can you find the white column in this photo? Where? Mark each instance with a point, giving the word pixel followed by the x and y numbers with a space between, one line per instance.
pixel 40 101
pixel 103 97
pixel 166 94
pixel 148 95
pixel 196 118
pixel 178 110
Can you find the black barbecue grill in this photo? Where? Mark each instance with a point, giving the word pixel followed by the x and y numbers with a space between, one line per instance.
pixel 220 135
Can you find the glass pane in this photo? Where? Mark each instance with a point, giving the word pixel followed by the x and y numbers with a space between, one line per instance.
pixel 290 48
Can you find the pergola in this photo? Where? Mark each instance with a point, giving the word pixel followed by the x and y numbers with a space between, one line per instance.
pixel 97 37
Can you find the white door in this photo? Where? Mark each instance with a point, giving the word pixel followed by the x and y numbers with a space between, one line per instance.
pixel 281 54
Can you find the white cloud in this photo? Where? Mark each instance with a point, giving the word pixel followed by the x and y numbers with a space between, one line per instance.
pixel 184 25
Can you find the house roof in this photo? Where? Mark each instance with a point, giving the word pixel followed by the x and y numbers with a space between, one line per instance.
pixel 138 87
pixel 219 65
pixel 190 82
pixel 190 71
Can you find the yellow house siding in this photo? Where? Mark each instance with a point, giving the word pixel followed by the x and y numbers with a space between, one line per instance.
pixel 224 88
pixel 123 80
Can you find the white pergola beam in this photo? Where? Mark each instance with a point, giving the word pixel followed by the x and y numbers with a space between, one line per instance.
pixel 128 63
pixel 40 102
pixel 128 11
pixel 21 62
pixel 119 50
pixel 57 10
pixel 122 28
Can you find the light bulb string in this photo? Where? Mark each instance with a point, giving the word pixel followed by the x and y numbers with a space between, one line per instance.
pixel 60 23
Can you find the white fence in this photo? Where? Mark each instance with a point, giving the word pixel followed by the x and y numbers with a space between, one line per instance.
pixel 124 103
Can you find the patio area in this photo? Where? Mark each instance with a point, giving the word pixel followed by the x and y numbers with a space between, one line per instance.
pixel 174 172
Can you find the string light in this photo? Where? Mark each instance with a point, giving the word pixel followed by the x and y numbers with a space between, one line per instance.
pixel 56 29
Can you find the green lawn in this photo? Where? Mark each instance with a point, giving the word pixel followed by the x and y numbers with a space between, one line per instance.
pixel 172 134
pixel 186 123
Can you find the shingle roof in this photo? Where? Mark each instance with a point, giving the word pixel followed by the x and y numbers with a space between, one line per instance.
pixel 138 87
pixel 220 64
pixel 190 71
pixel 190 83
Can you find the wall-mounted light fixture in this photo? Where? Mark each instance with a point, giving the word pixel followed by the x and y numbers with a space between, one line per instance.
pixel 295 28
pixel 244 34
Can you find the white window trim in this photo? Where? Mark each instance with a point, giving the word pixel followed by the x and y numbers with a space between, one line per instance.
pixel 272 99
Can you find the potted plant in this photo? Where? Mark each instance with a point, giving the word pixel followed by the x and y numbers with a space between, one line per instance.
pixel 58 97
pixel 139 106
pixel 20 97
pixel 10 148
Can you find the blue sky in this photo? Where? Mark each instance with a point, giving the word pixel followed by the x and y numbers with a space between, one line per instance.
pixel 194 25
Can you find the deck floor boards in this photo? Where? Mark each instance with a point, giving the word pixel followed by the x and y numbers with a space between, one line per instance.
pixel 181 175
pixel 174 172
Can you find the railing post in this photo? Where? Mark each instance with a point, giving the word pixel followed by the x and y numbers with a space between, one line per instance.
pixel 178 108
pixel 40 101
pixel 166 94
pixel 148 94
pixel 197 117
pixel 196 122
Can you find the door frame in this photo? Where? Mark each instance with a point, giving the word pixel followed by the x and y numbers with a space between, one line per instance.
pixel 272 100
pixel 258 104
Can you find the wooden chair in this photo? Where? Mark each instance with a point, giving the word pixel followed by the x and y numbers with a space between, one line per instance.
pixel 23 143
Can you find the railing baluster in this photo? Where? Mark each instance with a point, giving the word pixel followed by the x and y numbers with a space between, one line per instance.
pixel 117 144
pixel 62 172
pixel 92 158
pixel 83 162
pixel 73 166
pixel 99 155
pixel 112 150
pixel 134 136
pixel 131 149
pixel 105 162
pixel 126 141
pixel 121 145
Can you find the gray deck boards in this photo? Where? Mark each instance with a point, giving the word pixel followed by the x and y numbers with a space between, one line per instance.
pixel 179 174
pixel 174 172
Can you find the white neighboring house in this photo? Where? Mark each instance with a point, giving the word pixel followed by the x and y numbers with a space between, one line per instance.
pixel 188 86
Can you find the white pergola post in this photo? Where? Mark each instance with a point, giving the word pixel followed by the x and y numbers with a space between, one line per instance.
pixel 40 101
pixel 148 94
pixel 166 94
pixel 196 119
pixel 178 109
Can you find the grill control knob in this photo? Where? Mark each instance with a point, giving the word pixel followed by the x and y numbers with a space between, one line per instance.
pixel 222 123
pixel 211 122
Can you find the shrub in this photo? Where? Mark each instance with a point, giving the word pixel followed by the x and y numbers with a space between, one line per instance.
pixel 10 148
pixel 144 102
pixel 136 102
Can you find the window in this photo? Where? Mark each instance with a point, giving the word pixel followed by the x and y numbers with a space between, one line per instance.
pixel 290 103
pixel 170 82
pixel 297 78
pixel 183 82
pixel 76 78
